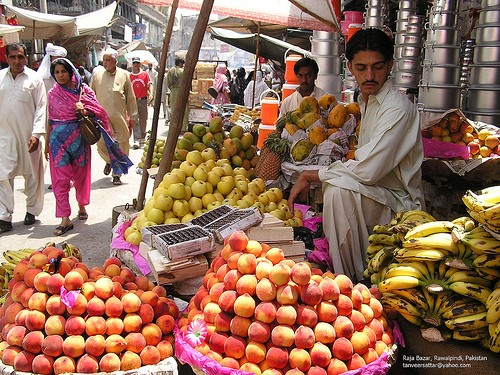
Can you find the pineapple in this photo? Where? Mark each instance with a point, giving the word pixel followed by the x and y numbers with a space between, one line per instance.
pixel 272 154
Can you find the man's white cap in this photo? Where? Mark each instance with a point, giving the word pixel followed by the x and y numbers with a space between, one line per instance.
pixel 112 52
pixel 50 50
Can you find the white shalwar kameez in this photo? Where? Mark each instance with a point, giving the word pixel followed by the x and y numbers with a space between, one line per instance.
pixel 383 178
pixel 24 104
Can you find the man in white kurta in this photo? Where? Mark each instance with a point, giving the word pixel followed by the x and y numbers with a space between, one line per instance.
pixel 384 177
pixel 306 70
pixel 22 121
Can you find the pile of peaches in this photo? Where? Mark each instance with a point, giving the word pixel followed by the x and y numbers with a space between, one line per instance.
pixel 268 315
pixel 76 319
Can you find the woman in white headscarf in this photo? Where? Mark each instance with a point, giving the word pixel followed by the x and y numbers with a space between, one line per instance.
pixel 260 87
pixel 51 53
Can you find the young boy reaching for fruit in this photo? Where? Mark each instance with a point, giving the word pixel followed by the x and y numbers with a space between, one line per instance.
pixel 384 177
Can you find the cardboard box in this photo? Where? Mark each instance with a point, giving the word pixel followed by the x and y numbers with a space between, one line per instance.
pixel 167 272
pixel 292 249
pixel 270 234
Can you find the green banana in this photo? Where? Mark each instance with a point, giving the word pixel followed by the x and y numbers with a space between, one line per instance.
pixel 467 322
pixel 381 229
pixel 398 282
pixel 426 229
pixel 475 291
pixel 414 319
pixel 464 310
pixel 373 249
pixel 383 239
pixel 378 261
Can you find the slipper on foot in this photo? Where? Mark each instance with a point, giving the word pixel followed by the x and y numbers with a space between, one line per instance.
pixel 60 230
pixel 83 216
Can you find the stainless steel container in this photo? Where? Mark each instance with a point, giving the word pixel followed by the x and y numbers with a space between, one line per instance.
pixel 439 96
pixel 411 51
pixel 487 34
pixel 406 79
pixel 442 55
pixel 404 14
pixel 412 39
pixel 440 74
pixel 408 4
pixel 328 64
pixel 483 98
pixel 415 19
pixel 484 54
pixel 443 36
pixel 376 22
pixel 487 17
pixel 401 26
pixel 487 75
pixel 330 82
pixel 399 38
pixel 374 12
pixel 484 116
pixel 449 5
pixel 490 3
pixel 407 64
pixel 443 18
pixel 398 52
pixel 375 3
pixel 415 29
pixel 325 47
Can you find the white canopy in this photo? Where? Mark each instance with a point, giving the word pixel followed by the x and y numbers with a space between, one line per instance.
pixel 43 26
pixel 95 23
pixel 9 29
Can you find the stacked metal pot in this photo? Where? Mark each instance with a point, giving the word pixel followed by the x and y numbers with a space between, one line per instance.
pixel 377 13
pixel 408 47
pixel 325 49
pixel 483 96
pixel 439 88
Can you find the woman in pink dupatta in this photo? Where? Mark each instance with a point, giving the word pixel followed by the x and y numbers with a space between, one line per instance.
pixel 221 84
pixel 69 156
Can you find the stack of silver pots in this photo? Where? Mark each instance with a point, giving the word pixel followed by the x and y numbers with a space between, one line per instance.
pixel 483 96
pixel 377 13
pixel 465 63
pixel 439 88
pixel 325 50
pixel 408 47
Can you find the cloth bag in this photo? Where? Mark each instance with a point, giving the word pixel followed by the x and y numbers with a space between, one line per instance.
pixel 89 128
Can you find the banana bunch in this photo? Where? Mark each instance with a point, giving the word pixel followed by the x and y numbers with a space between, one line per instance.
pixel 493 319
pixel 12 258
pixel 484 207
pixel 71 250
pixel 404 221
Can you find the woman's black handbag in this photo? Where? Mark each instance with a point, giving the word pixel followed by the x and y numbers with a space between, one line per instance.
pixel 89 128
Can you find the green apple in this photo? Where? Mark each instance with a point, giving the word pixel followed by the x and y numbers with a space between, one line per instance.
pixel 160 190
pixel 228 170
pixel 242 185
pixel 229 202
pixel 149 205
pixel 252 194
pixel 180 173
pixel 218 196
pixel 212 205
pixel 262 184
pixel 163 202
pixel 199 212
pixel 242 203
pixel 271 206
pixel 188 194
pixel 271 195
pixel 169 214
pixel 249 199
pixel 260 206
pixel 189 181
pixel 264 199
pixel 134 238
pixel 177 190
pixel 235 194
pixel 172 220
pixel 187 217
pixel 188 167
pixel 156 215
pixel 225 185
pixel 278 193
pixel 170 178
pixel 210 188
pixel 254 187
pixel 278 213
pixel 200 174
pixel 199 188
pixel 222 161
pixel 240 171
pixel 210 164
pixel 207 199
pixel 219 170
pixel 180 207
pixel 209 154
pixel 213 178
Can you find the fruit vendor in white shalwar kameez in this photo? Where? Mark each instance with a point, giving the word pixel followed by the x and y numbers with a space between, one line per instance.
pixel 23 104
pixel 384 177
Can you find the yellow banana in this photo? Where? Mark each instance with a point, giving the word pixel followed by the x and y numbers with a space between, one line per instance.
pixel 416 255
pixel 494 296
pixel 492 213
pixel 467 322
pixel 416 215
pixel 398 282
pixel 464 222
pixel 373 249
pixel 414 295
pixel 471 335
pixel 487 260
pixel 474 202
pixel 400 305
pixel 381 229
pixel 490 194
pixel 439 241
pixel 491 327
pixel 491 274
pixel 493 313
pixel 481 242
pixel 403 269
pixel 429 298
pixel 378 260
pixel 475 291
pixel 491 223
pixel 469 277
pixel 383 239
pixel 464 310
pixel 414 319
pixel 419 266
pixel 432 227
pixel 495 340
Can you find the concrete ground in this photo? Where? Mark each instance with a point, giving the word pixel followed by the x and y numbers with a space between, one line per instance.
pixel 92 236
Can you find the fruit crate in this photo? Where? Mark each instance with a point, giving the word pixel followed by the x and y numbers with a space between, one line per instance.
pixel 185 242
pixel 238 219
pixel 148 233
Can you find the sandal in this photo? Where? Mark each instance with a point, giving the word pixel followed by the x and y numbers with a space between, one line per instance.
pixel 60 230
pixel 83 216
